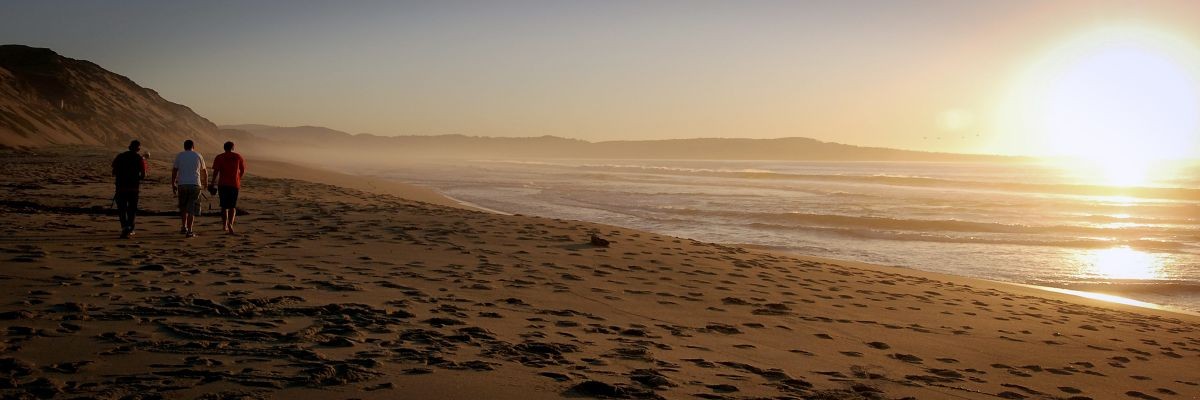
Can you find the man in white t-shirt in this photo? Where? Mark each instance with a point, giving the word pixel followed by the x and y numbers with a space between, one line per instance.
pixel 186 176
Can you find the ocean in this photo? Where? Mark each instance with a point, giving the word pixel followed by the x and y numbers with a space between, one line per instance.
pixel 1032 223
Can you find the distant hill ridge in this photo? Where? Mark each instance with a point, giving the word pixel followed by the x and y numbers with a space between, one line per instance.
pixel 48 99
pixel 414 146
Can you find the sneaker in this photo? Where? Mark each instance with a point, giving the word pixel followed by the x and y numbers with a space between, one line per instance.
pixel 190 234
pixel 124 234
pixel 183 230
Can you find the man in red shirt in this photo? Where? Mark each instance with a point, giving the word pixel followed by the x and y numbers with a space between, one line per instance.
pixel 228 169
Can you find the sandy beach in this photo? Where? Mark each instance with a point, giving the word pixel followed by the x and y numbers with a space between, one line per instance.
pixel 343 287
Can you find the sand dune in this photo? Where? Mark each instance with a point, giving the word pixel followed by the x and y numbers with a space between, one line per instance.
pixel 337 292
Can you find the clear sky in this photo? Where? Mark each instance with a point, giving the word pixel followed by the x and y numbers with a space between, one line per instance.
pixel 928 75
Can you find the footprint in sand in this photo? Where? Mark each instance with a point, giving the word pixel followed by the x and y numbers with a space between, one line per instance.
pixel 908 358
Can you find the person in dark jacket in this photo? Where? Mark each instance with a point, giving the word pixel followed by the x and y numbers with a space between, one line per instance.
pixel 129 169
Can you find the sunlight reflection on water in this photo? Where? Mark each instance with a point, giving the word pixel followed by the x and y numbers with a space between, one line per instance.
pixel 1122 263
pixel 1100 296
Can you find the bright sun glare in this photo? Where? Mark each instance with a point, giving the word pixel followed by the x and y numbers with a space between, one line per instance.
pixel 1117 100
pixel 1123 263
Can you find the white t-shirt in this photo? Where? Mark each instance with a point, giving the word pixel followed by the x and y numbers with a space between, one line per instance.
pixel 189 164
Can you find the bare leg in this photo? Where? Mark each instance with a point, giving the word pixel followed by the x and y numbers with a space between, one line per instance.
pixel 232 218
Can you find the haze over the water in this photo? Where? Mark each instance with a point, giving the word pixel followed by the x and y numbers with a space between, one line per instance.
pixel 1089 79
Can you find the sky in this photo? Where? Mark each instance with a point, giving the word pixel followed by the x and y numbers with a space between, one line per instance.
pixel 928 75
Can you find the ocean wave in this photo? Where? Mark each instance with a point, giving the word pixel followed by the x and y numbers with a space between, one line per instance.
pixel 926 225
pixel 1110 218
pixel 1076 243
pixel 1120 193
pixel 1130 287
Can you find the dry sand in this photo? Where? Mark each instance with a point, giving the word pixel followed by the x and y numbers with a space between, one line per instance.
pixel 335 292
pixel 284 170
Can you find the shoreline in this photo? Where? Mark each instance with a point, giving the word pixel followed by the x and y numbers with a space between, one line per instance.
pixel 1104 298
pixel 1075 296
pixel 467 204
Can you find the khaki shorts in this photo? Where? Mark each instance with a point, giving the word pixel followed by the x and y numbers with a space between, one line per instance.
pixel 189 199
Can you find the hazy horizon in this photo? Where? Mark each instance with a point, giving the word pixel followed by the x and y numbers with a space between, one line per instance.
pixel 1013 78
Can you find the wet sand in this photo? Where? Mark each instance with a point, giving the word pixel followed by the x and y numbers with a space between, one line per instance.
pixel 356 292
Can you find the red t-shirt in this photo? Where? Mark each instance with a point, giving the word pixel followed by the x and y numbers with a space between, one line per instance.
pixel 229 167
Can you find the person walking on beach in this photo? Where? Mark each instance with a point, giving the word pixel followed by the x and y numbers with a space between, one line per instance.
pixel 128 169
pixel 228 169
pixel 186 175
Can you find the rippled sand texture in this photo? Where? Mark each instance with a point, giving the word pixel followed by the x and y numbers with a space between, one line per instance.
pixel 336 293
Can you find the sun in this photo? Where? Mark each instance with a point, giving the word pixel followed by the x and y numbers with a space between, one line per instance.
pixel 1116 99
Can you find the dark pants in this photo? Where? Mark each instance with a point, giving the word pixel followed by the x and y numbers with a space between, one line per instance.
pixel 228 196
pixel 127 204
